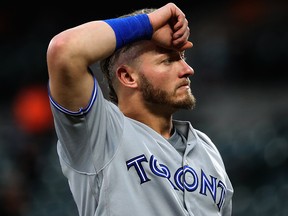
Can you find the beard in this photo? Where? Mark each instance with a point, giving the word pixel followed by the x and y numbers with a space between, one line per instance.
pixel 155 95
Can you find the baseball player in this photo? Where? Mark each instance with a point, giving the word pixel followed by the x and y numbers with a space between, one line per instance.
pixel 127 155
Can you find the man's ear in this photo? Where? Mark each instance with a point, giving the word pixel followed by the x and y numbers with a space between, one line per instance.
pixel 126 76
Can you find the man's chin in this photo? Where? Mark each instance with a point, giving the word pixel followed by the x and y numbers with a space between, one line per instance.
pixel 187 104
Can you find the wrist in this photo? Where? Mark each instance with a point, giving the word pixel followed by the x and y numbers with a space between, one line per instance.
pixel 130 29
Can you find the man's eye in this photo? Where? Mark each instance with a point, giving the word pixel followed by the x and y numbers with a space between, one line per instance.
pixel 168 60
pixel 172 59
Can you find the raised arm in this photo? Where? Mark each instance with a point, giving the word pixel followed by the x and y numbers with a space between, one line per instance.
pixel 72 51
pixel 68 56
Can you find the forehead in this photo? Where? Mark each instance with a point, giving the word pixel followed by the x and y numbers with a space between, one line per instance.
pixel 145 49
pixel 150 47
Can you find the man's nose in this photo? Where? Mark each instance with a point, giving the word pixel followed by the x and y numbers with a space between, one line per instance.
pixel 187 69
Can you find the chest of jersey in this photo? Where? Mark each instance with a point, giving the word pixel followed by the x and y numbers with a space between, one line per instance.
pixel 149 166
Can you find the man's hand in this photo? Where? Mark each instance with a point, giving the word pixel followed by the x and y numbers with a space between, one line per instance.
pixel 171 28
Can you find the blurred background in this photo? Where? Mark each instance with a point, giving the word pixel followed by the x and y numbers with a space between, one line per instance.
pixel 240 59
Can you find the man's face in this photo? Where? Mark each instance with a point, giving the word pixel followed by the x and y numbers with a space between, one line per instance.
pixel 163 79
pixel 157 95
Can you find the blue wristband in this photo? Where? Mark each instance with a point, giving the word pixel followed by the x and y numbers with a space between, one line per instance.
pixel 130 29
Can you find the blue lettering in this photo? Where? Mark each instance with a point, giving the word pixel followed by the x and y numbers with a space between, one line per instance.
pixel 185 178
pixel 206 184
pixel 222 195
pixel 137 163
pixel 162 171
pixel 181 178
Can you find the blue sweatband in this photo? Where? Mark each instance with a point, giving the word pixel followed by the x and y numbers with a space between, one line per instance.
pixel 130 29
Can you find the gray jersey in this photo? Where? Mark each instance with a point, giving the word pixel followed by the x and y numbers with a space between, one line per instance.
pixel 117 166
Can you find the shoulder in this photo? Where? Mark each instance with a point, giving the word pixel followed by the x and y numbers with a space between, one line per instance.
pixel 206 140
pixel 203 136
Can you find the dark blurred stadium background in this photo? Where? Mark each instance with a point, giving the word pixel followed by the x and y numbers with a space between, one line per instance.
pixel 240 58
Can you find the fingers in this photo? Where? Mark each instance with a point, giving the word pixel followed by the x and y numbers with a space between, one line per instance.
pixel 185 46
pixel 180 28
pixel 171 28
pixel 181 35
pixel 177 36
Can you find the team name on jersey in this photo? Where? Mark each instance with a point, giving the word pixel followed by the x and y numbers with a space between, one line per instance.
pixel 180 179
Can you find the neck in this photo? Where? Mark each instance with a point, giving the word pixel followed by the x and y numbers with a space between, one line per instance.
pixel 155 118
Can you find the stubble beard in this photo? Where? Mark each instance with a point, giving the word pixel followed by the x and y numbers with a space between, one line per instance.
pixel 155 95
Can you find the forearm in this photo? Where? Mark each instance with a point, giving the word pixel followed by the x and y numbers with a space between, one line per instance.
pixel 81 45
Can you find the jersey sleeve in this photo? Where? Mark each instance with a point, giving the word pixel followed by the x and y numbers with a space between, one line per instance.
pixel 84 137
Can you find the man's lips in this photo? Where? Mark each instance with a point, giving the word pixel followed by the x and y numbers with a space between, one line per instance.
pixel 185 83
